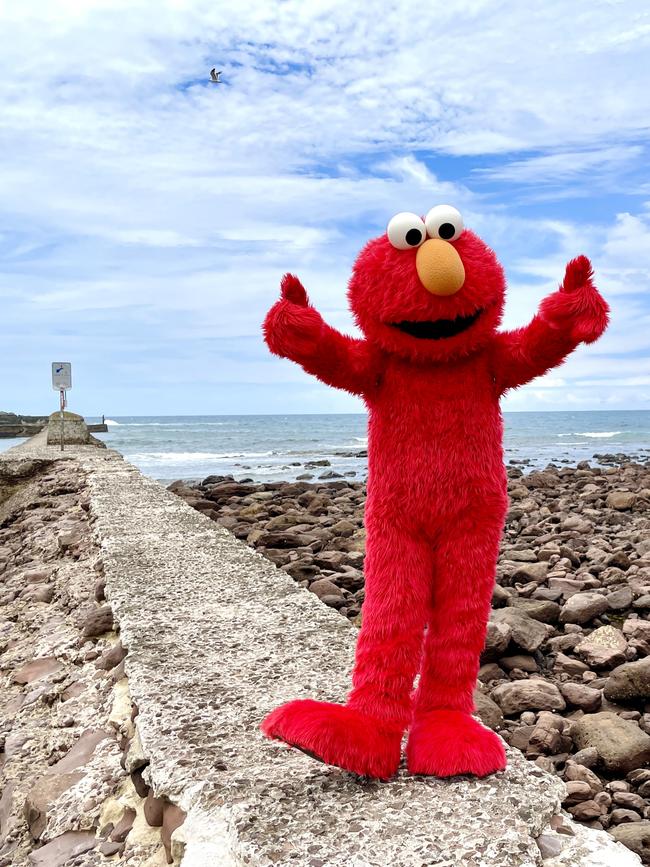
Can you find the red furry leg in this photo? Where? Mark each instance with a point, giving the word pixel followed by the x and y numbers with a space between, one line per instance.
pixel 445 739
pixel 364 736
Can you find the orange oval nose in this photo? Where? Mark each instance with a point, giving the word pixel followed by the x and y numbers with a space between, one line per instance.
pixel 440 268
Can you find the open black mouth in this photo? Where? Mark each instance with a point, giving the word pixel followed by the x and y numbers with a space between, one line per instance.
pixel 439 327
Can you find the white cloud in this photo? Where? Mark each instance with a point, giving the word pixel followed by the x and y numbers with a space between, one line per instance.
pixel 142 207
pixel 565 166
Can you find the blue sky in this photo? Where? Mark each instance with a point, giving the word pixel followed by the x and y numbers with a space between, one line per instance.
pixel 147 216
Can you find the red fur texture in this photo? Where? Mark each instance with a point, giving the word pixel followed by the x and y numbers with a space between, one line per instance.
pixel 436 495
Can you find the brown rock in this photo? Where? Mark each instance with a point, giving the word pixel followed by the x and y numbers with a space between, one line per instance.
pixel 576 791
pixel 620 600
pixel 97 621
pixel 42 795
pixel 621 744
pixel 487 710
pixel 620 815
pixel 603 648
pixel 173 817
pixel 112 657
pixel 568 665
pixel 584 697
pixel 121 830
pixel 497 639
pixel 629 800
pixel 520 661
pixel 36 669
pixel 586 811
pixel 546 736
pixel 109 848
pixel 325 587
pixel 62 849
pixel 153 810
pixel 583 607
pixel 636 836
pixel 531 572
pixel 575 771
pixel 80 752
pixel 620 500
pixel 533 694
pixel 629 681
pixel 539 609
pixel 528 634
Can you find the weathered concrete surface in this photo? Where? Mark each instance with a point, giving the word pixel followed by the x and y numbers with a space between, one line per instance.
pixel 75 429
pixel 216 637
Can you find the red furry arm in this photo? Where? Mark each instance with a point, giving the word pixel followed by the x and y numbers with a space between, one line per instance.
pixel 296 330
pixel 576 313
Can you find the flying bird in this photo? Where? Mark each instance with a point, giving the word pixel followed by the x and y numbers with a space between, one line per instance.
pixel 214 76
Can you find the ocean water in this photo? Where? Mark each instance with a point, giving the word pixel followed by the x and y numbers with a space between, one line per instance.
pixel 275 447
pixel 278 447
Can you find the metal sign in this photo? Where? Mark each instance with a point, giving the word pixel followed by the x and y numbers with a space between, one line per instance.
pixel 61 375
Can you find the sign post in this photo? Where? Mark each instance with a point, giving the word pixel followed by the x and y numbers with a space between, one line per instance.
pixel 61 382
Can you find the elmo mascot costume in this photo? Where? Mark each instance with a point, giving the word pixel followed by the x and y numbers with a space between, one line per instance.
pixel 428 296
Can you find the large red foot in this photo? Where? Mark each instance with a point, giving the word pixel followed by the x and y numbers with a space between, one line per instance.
pixel 443 743
pixel 338 735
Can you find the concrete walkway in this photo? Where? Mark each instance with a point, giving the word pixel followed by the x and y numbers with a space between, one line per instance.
pixel 217 637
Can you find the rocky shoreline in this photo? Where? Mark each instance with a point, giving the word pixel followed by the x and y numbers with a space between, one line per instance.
pixel 73 776
pixel 566 668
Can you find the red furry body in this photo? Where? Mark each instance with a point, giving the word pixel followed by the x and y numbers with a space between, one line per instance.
pixel 436 494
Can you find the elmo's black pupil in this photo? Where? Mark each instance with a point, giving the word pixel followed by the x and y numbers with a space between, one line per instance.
pixel 446 231
pixel 413 237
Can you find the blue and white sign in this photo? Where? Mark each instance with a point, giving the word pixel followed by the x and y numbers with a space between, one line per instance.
pixel 61 375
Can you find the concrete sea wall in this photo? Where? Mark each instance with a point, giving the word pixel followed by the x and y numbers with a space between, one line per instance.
pixel 215 636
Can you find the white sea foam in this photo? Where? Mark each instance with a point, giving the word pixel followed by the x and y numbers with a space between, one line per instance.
pixel 111 423
pixel 598 434
pixel 172 424
pixel 192 457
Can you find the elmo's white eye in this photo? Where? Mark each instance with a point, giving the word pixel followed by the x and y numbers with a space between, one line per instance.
pixel 406 230
pixel 444 222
